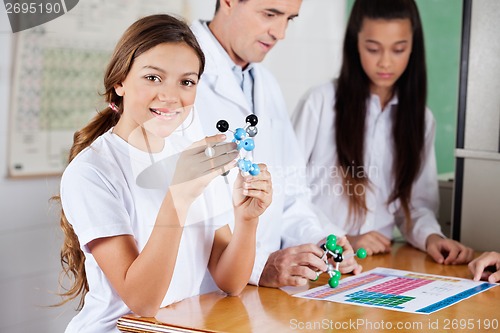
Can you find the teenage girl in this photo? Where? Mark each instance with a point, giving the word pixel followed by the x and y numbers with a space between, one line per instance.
pixel 133 239
pixel 368 137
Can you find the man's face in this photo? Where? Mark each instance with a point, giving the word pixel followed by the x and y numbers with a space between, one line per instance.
pixel 256 26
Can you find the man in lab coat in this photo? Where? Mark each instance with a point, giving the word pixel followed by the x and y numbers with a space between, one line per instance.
pixel 233 86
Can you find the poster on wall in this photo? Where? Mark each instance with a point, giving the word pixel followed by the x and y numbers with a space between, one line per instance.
pixel 58 68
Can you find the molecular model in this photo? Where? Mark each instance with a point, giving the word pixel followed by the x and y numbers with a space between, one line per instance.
pixel 335 251
pixel 245 144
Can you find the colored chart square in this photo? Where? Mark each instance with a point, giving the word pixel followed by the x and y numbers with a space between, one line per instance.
pixel 379 299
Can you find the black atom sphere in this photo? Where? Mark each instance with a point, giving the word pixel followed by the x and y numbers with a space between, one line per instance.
pixel 222 126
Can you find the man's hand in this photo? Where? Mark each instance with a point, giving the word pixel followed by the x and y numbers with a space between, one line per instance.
pixel 293 266
pixel 348 265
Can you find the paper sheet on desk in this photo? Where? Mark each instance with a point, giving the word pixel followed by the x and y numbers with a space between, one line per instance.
pixel 290 290
pixel 399 290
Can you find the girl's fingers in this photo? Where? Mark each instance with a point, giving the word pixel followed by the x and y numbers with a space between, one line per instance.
pixel 221 149
pixel 199 147
pixel 212 140
pixel 217 171
pixel 262 185
pixel 219 161
pixel 256 194
pixel 264 175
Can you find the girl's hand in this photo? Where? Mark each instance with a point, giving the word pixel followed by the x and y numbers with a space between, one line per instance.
pixel 486 267
pixel 252 194
pixel 195 170
pixel 373 242
pixel 448 251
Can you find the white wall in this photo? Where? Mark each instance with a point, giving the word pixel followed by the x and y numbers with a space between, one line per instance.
pixel 29 232
pixel 29 238
pixel 311 53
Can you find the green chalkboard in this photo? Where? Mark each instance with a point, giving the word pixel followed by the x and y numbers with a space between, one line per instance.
pixel 442 22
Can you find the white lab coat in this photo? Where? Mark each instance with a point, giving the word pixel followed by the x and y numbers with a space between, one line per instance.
pixel 290 220
pixel 314 121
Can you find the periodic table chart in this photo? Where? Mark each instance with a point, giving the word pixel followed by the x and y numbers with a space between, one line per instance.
pixel 399 290
pixel 58 70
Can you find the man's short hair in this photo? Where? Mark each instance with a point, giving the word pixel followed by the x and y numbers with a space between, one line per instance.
pixel 217 4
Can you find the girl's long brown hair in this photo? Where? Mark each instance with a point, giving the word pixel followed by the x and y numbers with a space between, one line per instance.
pixel 141 36
pixel 352 92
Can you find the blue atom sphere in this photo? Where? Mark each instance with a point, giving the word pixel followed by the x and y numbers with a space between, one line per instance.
pixel 240 134
pixel 254 170
pixel 248 144
pixel 244 165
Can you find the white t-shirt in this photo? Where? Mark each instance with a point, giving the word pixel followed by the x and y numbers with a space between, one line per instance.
pixel 314 121
pixel 112 188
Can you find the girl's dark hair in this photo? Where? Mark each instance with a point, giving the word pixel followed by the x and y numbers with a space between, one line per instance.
pixel 141 36
pixel 352 92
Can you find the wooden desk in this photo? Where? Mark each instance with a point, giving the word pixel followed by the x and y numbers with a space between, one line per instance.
pixel 260 309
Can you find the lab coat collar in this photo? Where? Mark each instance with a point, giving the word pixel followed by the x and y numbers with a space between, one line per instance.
pixel 218 72
pixel 375 100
